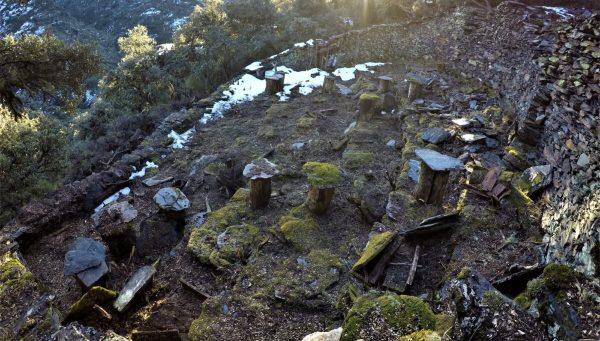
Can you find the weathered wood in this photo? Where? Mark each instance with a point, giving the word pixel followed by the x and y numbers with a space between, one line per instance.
pixel 367 105
pixel 432 185
pixel 413 267
pixel 382 261
pixel 340 145
pixel 489 181
pixel 319 199
pixel 385 84
pixel 194 288
pixel 260 193
pixel 274 83
pixel 414 90
pixel 433 225
pixel 328 84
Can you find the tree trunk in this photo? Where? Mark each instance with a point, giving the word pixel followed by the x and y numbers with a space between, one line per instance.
pixel 319 199
pixel 328 84
pixel 274 84
pixel 260 193
pixel 431 186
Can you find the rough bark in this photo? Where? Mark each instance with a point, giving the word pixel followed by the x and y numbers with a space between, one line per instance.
pixel 260 193
pixel 319 199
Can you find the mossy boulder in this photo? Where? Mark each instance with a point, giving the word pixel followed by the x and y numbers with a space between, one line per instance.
pixel 277 111
pixel 300 228
pixel 558 276
pixel 422 335
pixel 14 277
pixel 322 175
pixel 358 159
pixel 306 121
pixel 377 243
pixel 386 317
pixel 225 238
pixel 362 84
pixel 96 295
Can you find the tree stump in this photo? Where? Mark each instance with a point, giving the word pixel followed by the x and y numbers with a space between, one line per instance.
pixel 434 174
pixel 260 193
pixel 385 84
pixel 414 90
pixel 367 105
pixel 274 83
pixel 319 199
pixel 328 84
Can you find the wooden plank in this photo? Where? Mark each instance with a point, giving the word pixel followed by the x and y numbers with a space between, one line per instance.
pixel 413 267
pixel 377 272
pixel 490 179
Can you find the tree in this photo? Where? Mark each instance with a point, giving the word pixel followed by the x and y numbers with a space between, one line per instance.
pixel 137 42
pixel 43 65
pixel 201 23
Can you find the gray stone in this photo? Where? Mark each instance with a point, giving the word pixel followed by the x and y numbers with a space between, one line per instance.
pixel 155 181
pixel 90 276
pixel 85 253
pixel 122 212
pixel 437 161
pixel 491 143
pixel 473 138
pixel 538 177
pixel 133 287
pixel 435 135
pixel 583 160
pixel 462 122
pixel 260 169
pixel 344 90
pixel 298 146
pixel 490 160
pixel 414 168
pixel 172 199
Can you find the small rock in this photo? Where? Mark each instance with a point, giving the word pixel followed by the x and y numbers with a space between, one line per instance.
pixel 491 143
pixel 435 135
pixel 391 143
pixel 583 160
pixel 472 138
pixel 437 161
pixel 298 146
pixel 333 335
pixel 537 178
pixel 134 286
pixel 171 199
pixel 462 122
pixel 155 181
pixel 414 168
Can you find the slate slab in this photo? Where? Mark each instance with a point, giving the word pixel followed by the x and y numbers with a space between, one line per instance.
pixel 435 135
pixel 133 287
pixel 438 162
pixel 172 199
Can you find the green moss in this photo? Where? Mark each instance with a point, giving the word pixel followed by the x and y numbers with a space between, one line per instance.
pixel 523 300
pixel 303 234
pixel 402 314
pixel 305 122
pixel 362 84
pixel 558 276
pixel 493 300
pixel 241 195
pixel 421 335
pixel 96 295
pixel 322 175
pixel 276 111
pixel 214 168
pixel 376 244
pixel 267 132
pixel 357 159
pixel 202 328
pixel 535 287
pixel 443 323
pixel 346 298
pixel 14 277
pixel 368 97
pixel 506 176
pixel 464 273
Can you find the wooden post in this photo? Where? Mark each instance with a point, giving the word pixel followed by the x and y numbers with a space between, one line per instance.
pixel 328 84
pixel 274 83
pixel 432 185
pixel 367 105
pixel 260 193
pixel 384 84
pixel 319 199
pixel 414 90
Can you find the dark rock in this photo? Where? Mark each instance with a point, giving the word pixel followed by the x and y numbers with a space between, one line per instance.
pixel 156 180
pixel 86 260
pixel 136 283
pixel 373 203
pixel 116 213
pixel 414 168
pixel 537 178
pixel 171 199
pixel 435 135
pixel 491 143
pixel 157 236
pixel 158 335
pixel 490 160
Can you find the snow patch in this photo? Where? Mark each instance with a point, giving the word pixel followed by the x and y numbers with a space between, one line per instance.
pixel 123 192
pixel 307 81
pixel 560 11
pixel 244 89
pixel 151 12
pixel 179 140
pixel 254 66
pixel 142 172
pixel 347 73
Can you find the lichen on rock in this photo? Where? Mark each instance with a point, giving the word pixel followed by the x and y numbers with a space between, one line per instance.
pixel 300 228
pixel 322 175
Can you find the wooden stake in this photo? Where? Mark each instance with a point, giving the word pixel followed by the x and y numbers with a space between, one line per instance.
pixel 328 84
pixel 432 185
pixel 260 193
pixel 274 83
pixel 384 84
pixel 367 105
pixel 319 199
pixel 414 91
pixel 413 267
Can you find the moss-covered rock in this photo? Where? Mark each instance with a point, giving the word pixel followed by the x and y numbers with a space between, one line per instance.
pixel 300 228
pixel 422 335
pixel 558 276
pixel 224 237
pixel 305 122
pixel 277 111
pixel 376 244
pixel 358 159
pixel 267 132
pixel 362 84
pixel 386 316
pixel 322 175
pixel 96 295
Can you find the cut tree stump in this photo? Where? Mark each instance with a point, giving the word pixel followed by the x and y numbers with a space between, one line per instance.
pixel 319 199
pixel 434 174
pixel 274 83
pixel 385 83
pixel 367 105
pixel 328 84
pixel 414 90
pixel 260 193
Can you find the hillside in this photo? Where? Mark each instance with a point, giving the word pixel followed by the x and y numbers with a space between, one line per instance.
pixel 439 182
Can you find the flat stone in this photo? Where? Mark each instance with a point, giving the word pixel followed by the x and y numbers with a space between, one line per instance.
pixel 462 122
pixel 473 138
pixel 583 160
pixel 133 287
pixel 344 90
pixel 333 335
pixel 155 181
pixel 491 143
pixel 85 253
pixel 122 212
pixel 298 146
pixel 90 276
pixel 538 177
pixel 171 199
pixel 435 135
pixel 156 335
pixel 414 169
pixel 438 162
pixel 260 169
